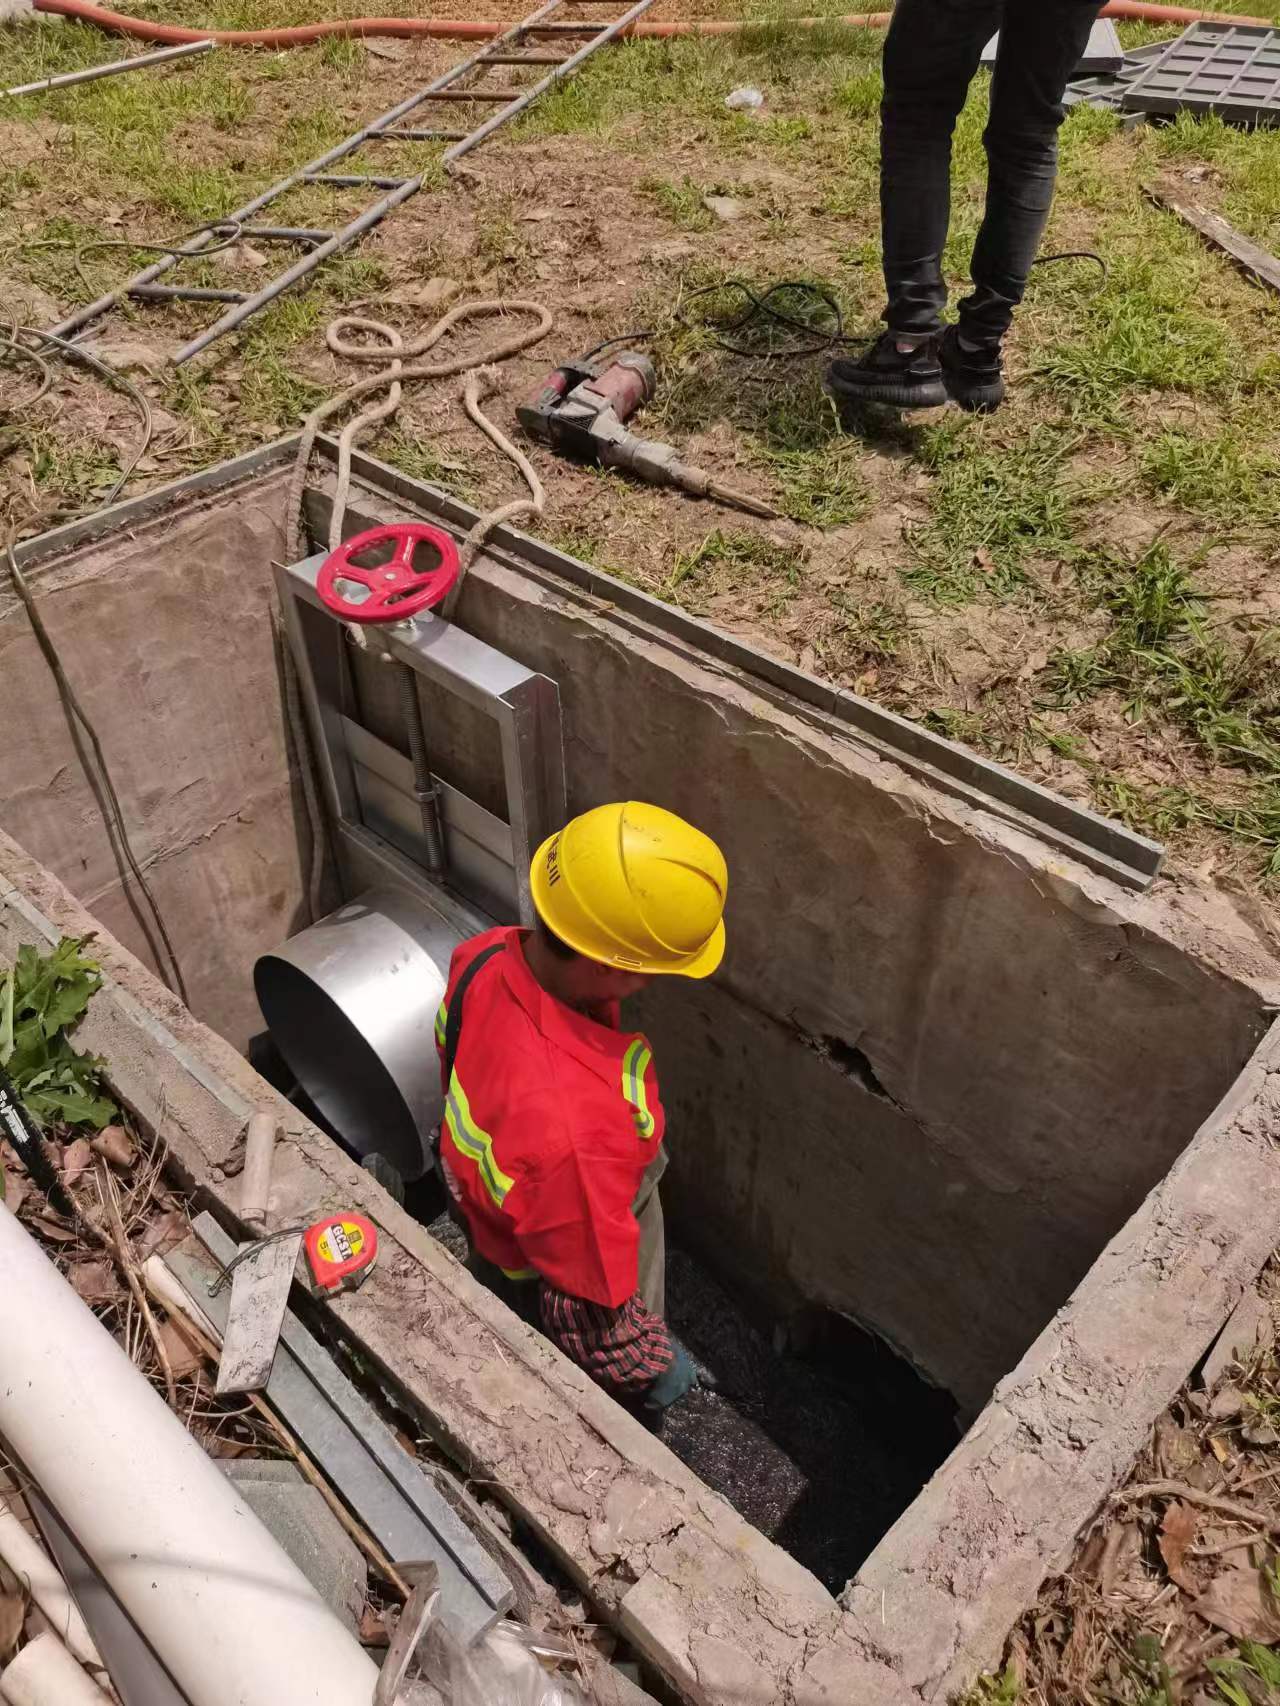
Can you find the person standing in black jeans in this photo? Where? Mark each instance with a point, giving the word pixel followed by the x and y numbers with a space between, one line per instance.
pixel 931 53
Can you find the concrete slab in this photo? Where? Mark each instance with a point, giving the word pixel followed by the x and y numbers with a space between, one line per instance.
pixel 295 1513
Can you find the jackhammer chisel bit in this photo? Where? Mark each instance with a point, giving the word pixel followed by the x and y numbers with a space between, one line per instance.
pixel 581 410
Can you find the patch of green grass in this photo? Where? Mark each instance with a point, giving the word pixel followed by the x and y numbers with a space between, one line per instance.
pixel 967 727
pixel 1253 1674
pixel 1159 812
pixel 861 95
pixel 1074 676
pixel 416 456
pixel 733 559
pixel 1163 659
pixel 992 505
pixel 681 203
pixel 1140 331
pixel 1219 475
pixel 500 242
pixel 821 488
pixel 75 468
pixel 1004 1689
pixel 873 632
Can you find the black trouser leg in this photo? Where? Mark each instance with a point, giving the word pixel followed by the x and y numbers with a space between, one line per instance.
pixel 1041 43
pixel 930 55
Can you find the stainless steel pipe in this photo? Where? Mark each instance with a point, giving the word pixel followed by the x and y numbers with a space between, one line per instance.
pixel 351 1005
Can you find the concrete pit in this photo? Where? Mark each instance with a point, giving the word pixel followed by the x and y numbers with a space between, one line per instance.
pixel 956 1101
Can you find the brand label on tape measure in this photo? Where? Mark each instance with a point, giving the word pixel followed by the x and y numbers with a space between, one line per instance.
pixel 341 1241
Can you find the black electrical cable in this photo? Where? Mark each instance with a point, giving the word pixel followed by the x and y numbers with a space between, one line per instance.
pixel 759 307
pixel 642 337
pixel 74 352
pixel 102 784
pixel 11 348
pixel 763 306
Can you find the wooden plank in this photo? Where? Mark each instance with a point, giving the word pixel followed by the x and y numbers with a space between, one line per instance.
pixel 1255 262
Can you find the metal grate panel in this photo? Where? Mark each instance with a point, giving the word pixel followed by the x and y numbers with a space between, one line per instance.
pixel 1229 69
pixel 1107 90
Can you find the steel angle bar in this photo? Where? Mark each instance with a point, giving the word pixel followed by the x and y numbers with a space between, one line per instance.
pixel 113 68
pixel 527 96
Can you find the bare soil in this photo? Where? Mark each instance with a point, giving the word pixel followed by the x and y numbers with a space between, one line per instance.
pixel 1171 1598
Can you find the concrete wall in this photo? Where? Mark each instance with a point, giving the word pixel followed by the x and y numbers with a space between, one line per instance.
pixel 165 633
pixel 939 1068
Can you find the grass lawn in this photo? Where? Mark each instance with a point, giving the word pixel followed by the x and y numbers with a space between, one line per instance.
pixel 1083 586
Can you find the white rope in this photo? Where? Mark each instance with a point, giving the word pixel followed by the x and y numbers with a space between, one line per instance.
pixel 398 368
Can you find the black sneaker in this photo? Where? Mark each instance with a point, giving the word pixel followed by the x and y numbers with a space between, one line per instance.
pixel 974 378
pixel 883 374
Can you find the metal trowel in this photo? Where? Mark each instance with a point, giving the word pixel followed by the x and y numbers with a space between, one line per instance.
pixel 261 1273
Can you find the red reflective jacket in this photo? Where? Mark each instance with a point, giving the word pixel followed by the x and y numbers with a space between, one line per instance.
pixel 550 1121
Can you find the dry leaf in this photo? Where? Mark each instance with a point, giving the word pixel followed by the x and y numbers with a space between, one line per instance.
pixel 1240 1601
pixel 115 1145
pixel 94 1281
pixel 1177 1448
pixel 373 1631
pixel 13 1609
pixel 76 1158
pixel 162 1234
pixel 1177 1536
pixel 53 1229
pixel 16 1190
pixel 184 1359
pixel 1219 1449
pixel 982 559
pixel 1226 1403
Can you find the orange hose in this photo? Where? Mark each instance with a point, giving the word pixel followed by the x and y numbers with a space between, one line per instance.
pixel 460 29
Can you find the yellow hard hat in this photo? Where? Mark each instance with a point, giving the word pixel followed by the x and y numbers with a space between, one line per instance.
pixel 636 887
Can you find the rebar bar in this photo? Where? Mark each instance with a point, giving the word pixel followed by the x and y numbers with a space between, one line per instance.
pixel 112 69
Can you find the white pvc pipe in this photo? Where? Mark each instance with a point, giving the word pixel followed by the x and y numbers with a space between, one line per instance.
pixel 45 1674
pixel 234 1621
pixel 34 1568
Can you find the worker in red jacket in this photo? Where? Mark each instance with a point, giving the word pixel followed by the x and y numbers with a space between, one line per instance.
pixel 551 1146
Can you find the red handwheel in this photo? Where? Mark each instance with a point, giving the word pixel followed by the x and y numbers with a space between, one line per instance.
pixel 397 590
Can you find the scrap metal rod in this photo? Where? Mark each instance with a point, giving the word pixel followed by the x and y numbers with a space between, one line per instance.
pixel 111 69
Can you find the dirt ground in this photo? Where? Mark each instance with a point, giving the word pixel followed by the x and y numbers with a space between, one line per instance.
pixel 1173 1596
pixel 1082 586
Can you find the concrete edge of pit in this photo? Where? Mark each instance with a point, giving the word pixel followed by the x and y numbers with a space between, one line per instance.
pixel 1003 1513
pixel 724 1615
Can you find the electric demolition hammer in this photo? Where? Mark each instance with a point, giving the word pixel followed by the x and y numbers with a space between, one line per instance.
pixel 581 410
